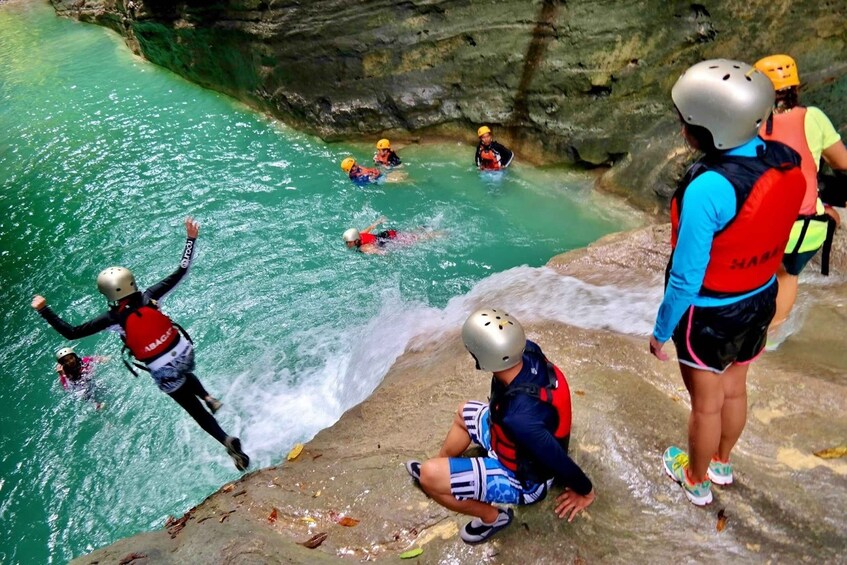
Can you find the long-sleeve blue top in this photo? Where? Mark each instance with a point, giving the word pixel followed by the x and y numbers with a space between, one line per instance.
pixel 708 206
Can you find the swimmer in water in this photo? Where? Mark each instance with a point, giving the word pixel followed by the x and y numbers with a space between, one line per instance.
pixel 364 241
pixel 359 174
pixel 75 374
pixel 385 156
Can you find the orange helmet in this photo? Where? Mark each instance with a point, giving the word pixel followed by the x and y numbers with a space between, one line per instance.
pixel 781 69
pixel 347 164
pixel 383 144
pixel 482 131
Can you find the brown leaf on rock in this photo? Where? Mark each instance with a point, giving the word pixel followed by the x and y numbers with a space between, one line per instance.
pixel 228 488
pixel 347 522
pixel 314 541
pixel 132 557
pixel 832 452
pixel 272 516
pixel 579 392
pixel 722 519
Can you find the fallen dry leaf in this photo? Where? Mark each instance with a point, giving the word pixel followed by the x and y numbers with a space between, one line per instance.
pixel 722 518
pixel 132 557
pixel 832 452
pixel 314 541
pixel 317 494
pixel 579 392
pixel 272 516
pixel 228 488
pixel 347 522
pixel 295 452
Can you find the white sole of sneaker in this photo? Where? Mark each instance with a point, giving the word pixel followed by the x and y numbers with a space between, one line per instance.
pixel 695 500
pixel 718 479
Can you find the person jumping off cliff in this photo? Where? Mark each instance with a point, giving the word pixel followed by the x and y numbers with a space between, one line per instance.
pixel 162 347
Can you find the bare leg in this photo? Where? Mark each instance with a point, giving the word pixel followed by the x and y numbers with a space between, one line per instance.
pixel 435 481
pixel 734 410
pixel 785 298
pixel 458 439
pixel 704 423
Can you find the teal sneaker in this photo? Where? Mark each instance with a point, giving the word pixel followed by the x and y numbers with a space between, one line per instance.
pixel 675 464
pixel 719 472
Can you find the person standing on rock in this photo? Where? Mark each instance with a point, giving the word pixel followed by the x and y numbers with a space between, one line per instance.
pixel 525 427
pixel 162 347
pixel 731 218
pixel 490 155
pixel 808 131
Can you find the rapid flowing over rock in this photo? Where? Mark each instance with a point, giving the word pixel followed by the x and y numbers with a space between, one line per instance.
pixel 582 82
pixel 786 504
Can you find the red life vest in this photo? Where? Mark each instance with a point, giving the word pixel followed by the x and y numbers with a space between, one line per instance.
pixel 490 161
pixel 769 188
pixel 369 238
pixel 147 332
pixel 790 128
pixel 556 393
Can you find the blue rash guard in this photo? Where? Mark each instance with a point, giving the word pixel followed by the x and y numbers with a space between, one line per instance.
pixel 530 424
pixel 709 205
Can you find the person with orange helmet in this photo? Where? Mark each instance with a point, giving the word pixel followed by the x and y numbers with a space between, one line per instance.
pixel 386 156
pixel 359 174
pixel 490 155
pixel 808 131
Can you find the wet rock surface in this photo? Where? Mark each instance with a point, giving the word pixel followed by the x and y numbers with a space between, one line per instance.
pixel 786 504
pixel 583 82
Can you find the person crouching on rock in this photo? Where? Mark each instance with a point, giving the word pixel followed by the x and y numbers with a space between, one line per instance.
pixel 161 346
pixel 525 427
pixel 359 174
pixel 490 155
pixel 76 374
pixel 730 221
pixel 385 156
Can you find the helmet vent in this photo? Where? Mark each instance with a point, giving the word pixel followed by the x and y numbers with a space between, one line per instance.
pixel 486 324
pixel 726 76
pixel 735 67
pixel 748 78
pixel 505 358
pixel 713 67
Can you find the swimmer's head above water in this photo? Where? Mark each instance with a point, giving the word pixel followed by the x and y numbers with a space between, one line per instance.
pixel 351 237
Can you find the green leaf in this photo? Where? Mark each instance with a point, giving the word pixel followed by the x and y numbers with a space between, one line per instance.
pixel 411 553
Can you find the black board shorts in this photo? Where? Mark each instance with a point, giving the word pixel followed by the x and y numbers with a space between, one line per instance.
pixel 712 338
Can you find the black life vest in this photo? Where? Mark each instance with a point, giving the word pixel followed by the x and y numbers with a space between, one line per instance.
pixel 557 394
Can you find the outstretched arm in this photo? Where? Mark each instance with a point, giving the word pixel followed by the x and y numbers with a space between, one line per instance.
pixel 160 289
pixel 373 225
pixel 68 331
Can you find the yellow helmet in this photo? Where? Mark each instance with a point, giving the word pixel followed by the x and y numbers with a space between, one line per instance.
pixel 383 144
pixel 482 131
pixel 781 69
pixel 347 164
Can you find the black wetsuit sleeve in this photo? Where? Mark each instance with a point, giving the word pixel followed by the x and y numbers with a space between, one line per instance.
pixel 476 158
pixel 394 160
pixel 98 324
pixel 533 436
pixel 505 155
pixel 163 287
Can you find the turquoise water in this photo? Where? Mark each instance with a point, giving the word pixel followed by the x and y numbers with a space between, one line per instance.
pixel 102 155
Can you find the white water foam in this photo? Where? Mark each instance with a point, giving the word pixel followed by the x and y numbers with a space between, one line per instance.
pixel 279 409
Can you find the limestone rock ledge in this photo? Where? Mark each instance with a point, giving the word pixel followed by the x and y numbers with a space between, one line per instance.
pixel 584 82
pixel 786 505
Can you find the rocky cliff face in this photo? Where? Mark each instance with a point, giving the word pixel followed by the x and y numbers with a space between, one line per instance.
pixel 581 81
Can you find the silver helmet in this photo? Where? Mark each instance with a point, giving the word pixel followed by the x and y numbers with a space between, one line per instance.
pixel 115 283
pixel 495 339
pixel 351 235
pixel 731 99
pixel 64 352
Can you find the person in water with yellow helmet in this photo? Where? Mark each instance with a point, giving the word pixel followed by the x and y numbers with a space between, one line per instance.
pixel 808 131
pixel 385 156
pixel 359 174
pixel 490 155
